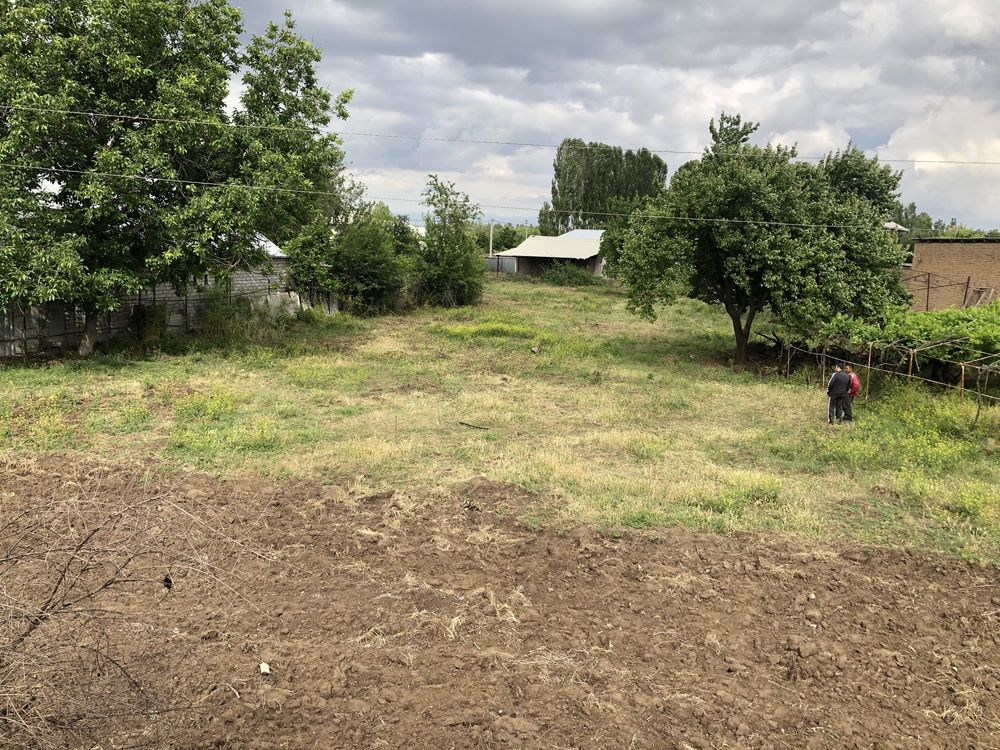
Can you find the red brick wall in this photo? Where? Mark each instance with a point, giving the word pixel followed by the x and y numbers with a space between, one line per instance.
pixel 949 266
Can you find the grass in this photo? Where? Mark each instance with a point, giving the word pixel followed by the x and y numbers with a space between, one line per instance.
pixel 605 418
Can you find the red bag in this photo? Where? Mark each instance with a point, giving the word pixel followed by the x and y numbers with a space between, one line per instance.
pixel 855 388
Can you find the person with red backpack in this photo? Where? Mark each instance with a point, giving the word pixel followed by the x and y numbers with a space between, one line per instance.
pixel 852 391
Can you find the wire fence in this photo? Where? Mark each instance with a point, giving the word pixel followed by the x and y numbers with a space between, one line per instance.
pixel 921 284
pixel 973 381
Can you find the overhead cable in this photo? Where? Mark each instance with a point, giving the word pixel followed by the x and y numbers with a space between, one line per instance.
pixel 442 139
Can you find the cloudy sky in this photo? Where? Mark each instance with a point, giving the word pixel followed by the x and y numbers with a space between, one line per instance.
pixel 908 79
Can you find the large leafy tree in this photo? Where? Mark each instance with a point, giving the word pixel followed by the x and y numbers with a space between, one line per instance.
pixel 589 176
pixel 124 170
pixel 752 229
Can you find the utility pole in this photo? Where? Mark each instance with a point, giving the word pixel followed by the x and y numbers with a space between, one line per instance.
pixel 491 238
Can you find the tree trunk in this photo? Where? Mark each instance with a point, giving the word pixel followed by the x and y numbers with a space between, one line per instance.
pixel 89 334
pixel 742 337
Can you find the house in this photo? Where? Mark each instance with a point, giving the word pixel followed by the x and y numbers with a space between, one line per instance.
pixel 953 272
pixel 579 247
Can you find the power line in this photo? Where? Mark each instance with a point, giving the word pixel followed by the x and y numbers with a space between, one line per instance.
pixel 442 139
pixel 302 191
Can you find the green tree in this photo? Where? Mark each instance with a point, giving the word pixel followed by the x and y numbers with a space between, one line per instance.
pixel 283 113
pixel 754 231
pixel 616 226
pixel 69 231
pixel 405 240
pixel 450 267
pixel 310 260
pixel 850 172
pixel 908 216
pixel 588 176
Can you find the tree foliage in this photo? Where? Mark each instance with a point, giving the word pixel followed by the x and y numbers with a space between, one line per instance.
pixel 852 174
pixel 370 272
pixel 751 229
pixel 449 267
pixel 961 334
pixel 69 231
pixel 505 236
pixel 284 110
pixel 588 176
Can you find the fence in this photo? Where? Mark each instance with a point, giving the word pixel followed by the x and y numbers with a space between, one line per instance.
pixel 974 377
pixel 501 264
pixel 59 326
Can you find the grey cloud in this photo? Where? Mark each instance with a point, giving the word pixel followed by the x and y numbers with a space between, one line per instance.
pixel 643 72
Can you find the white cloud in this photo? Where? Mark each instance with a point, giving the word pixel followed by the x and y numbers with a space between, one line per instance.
pixel 952 129
pixel 912 78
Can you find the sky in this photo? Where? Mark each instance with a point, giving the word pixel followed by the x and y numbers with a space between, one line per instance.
pixel 907 79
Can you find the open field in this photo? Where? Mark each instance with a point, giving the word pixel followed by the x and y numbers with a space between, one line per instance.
pixel 602 417
pixel 537 523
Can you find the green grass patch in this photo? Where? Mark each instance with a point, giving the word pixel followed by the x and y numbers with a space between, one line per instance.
pixel 605 418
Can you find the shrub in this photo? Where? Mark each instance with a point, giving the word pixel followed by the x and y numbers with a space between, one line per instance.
pixel 369 273
pixel 366 264
pixel 568 274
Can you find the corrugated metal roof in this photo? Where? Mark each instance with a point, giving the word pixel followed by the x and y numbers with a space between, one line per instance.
pixel 564 248
pixel 269 247
pixel 583 234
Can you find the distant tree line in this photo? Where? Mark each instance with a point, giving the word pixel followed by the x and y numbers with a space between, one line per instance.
pixel 592 179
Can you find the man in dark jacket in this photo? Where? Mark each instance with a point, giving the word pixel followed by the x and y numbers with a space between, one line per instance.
pixel 836 389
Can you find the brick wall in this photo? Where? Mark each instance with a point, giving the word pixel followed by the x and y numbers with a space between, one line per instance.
pixel 948 273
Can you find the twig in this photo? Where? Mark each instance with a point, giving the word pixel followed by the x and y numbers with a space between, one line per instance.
pixel 473 426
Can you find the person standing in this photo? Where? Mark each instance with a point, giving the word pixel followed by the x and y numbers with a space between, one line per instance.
pixel 836 389
pixel 852 392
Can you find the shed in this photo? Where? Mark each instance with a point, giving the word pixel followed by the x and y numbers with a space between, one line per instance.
pixel 579 247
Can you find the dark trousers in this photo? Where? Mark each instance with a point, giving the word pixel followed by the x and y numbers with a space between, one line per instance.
pixel 840 408
pixel 848 406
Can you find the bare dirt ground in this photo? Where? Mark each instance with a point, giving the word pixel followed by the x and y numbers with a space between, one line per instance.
pixel 392 620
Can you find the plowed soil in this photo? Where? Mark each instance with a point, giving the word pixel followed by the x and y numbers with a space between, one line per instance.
pixel 396 620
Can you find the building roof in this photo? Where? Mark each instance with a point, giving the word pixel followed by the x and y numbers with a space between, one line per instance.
pixel 269 247
pixel 561 248
pixel 589 234
pixel 943 240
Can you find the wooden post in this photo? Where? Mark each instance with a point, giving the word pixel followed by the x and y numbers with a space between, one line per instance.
pixel 868 372
pixel 909 382
pixel 788 362
pixel 823 366
pixel 965 297
pixel 961 386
